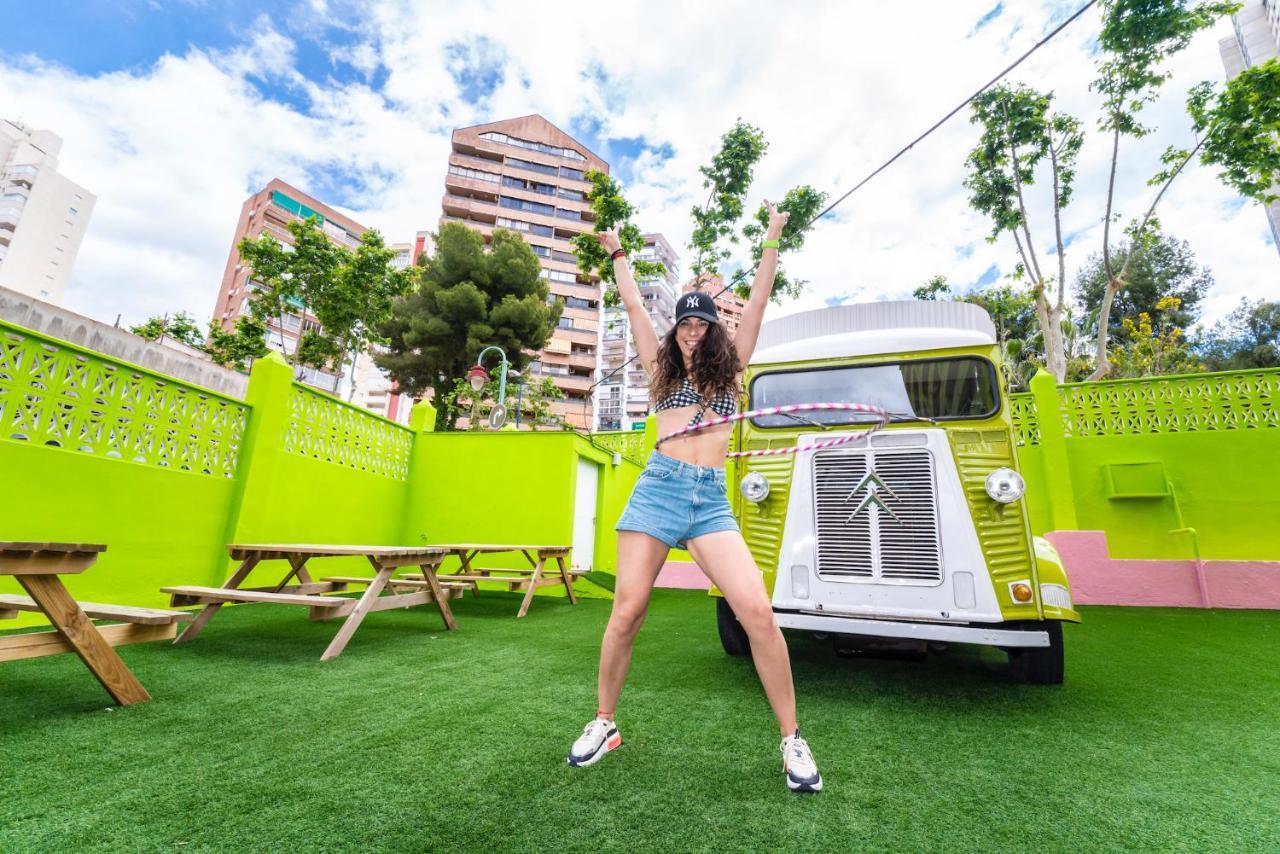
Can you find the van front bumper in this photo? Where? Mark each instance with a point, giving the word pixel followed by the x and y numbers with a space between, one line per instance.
pixel 941 632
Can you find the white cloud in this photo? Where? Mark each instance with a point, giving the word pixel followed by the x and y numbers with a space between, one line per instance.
pixel 172 150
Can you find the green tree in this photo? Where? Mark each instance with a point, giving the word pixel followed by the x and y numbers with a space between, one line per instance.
pixel 1018 133
pixel 1166 269
pixel 612 211
pixel 1138 37
pixel 936 289
pixel 466 299
pixel 238 349
pixel 1248 337
pixel 180 327
pixel 1239 128
pixel 367 284
pixel 728 179
pixel 297 278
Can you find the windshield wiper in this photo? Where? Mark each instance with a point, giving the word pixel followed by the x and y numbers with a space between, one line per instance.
pixel 804 420
pixel 896 417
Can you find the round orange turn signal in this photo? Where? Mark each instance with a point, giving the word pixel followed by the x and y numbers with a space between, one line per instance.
pixel 1021 592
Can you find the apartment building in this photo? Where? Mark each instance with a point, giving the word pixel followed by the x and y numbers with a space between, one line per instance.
pixel 43 214
pixel 1255 40
pixel 622 399
pixel 269 211
pixel 528 175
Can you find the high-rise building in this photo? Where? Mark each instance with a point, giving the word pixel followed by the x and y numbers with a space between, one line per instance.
pixel 527 175
pixel 269 211
pixel 1256 39
pixel 622 397
pixel 43 214
pixel 728 304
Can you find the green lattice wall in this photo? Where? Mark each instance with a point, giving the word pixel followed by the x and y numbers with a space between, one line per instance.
pixel 1143 458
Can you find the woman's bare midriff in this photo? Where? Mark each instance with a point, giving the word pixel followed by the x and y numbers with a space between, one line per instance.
pixel 707 447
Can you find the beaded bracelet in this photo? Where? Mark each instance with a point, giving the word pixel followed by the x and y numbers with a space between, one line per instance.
pixel 618 253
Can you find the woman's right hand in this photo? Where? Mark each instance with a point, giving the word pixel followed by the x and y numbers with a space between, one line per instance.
pixel 609 240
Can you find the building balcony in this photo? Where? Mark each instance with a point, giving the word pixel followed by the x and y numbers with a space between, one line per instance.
pixel 572 382
pixel 465 186
pixel 467 208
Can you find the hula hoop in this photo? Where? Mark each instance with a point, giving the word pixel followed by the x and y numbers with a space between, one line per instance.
pixel 861 434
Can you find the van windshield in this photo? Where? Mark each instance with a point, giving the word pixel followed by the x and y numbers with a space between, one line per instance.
pixel 930 389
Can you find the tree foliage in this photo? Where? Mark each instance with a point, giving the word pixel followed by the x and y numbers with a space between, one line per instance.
pixel 349 293
pixel 1019 134
pixel 728 179
pixel 1152 344
pixel 612 211
pixel 239 348
pixel 1138 38
pixel 180 327
pixel 1167 268
pixel 1248 337
pixel 1241 129
pixel 467 299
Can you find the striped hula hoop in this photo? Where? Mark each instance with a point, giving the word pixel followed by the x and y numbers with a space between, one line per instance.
pixel 860 434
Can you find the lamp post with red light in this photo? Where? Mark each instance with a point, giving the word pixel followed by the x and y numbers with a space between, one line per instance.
pixel 478 376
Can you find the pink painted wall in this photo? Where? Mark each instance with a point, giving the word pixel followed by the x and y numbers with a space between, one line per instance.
pixel 1099 579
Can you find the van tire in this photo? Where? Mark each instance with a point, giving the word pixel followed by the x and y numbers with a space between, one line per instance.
pixel 1041 665
pixel 733 637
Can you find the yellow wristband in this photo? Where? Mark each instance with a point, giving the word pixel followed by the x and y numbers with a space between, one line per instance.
pixel 770 244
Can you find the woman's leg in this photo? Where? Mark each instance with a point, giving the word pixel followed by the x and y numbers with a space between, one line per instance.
pixel 640 559
pixel 725 559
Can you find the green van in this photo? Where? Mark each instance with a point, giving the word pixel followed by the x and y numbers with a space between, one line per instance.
pixel 916 536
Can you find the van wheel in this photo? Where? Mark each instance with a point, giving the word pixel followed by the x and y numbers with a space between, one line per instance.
pixel 1040 665
pixel 733 637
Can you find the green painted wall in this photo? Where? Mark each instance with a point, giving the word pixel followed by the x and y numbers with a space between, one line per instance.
pixel 1143 459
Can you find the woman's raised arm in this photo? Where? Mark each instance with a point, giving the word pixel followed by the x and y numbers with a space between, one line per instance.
pixel 642 330
pixel 744 339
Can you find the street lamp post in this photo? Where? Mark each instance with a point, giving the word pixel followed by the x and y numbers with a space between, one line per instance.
pixel 478 376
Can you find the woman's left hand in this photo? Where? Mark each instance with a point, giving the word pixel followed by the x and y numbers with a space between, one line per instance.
pixel 776 221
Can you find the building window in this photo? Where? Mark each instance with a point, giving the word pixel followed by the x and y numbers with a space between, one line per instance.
pixel 494 136
pixel 522 205
pixel 464 172
pixel 534 167
pixel 576 174
pixel 71 211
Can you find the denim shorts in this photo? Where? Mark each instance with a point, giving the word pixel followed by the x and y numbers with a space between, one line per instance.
pixel 675 502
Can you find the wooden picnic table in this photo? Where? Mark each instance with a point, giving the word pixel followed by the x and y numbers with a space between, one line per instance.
pixel 307 591
pixel 37 567
pixel 516 578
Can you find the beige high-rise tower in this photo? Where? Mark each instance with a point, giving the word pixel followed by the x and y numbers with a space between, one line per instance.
pixel 527 175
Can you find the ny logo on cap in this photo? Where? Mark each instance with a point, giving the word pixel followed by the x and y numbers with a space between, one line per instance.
pixel 691 302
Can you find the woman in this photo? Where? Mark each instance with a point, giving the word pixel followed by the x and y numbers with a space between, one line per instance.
pixel 680 501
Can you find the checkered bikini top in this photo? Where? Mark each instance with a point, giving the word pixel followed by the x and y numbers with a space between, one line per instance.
pixel 725 403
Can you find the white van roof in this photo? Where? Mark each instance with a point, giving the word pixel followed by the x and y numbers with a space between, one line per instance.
pixel 865 329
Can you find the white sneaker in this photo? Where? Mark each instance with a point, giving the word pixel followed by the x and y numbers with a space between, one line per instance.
pixel 798 765
pixel 598 738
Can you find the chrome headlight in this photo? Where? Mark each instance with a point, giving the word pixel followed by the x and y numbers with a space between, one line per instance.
pixel 1005 485
pixel 755 487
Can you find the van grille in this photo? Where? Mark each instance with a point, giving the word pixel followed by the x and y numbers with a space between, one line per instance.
pixel 876 517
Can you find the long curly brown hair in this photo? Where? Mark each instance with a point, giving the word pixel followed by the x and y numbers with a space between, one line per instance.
pixel 715 364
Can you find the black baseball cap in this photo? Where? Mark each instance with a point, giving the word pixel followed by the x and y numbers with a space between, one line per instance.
pixel 696 304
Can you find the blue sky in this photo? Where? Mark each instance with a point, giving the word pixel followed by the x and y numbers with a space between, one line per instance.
pixel 161 104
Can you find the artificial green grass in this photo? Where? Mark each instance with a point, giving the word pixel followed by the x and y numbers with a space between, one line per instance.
pixel 1166 735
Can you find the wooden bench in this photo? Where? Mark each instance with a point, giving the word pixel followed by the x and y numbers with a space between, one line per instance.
pixel 307 592
pixel 139 625
pixel 538 575
pixel 37 567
